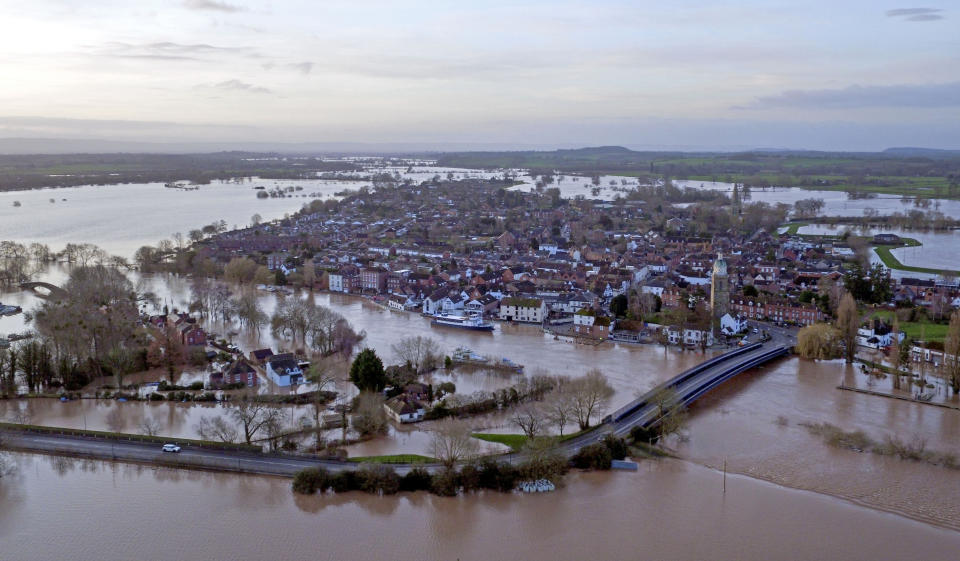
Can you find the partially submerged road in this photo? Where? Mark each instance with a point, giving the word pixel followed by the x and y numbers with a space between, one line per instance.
pixel 643 412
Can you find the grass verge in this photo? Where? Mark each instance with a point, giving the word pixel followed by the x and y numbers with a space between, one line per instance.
pixel 891 262
pixel 514 441
pixel 394 459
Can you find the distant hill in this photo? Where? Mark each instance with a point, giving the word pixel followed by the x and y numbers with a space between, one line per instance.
pixel 911 152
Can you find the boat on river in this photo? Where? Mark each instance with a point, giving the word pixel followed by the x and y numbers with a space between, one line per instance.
pixel 465 356
pixel 6 310
pixel 473 322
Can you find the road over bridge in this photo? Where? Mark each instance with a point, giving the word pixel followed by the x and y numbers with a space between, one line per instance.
pixel 644 412
pixel 52 291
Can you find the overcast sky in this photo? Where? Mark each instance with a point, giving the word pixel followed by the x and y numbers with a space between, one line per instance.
pixel 848 74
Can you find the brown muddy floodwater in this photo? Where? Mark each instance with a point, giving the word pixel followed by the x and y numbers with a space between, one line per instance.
pixel 753 423
pixel 56 508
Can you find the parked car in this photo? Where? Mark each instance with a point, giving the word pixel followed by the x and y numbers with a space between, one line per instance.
pixel 171 448
pixel 756 330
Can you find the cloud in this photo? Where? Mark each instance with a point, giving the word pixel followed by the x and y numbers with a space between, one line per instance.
pixel 165 50
pixel 916 14
pixel 212 5
pixel 301 67
pixel 857 97
pixel 237 85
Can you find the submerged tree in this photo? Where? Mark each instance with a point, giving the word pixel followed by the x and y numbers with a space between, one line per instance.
pixel 589 397
pixel 421 353
pixel 452 441
pixel 97 314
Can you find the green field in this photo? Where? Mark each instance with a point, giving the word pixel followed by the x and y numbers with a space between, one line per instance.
pixel 930 331
pixel 514 441
pixel 891 261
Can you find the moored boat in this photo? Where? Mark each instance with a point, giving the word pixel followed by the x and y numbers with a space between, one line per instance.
pixel 473 322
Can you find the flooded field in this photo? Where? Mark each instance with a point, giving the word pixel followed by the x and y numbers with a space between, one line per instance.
pixel 836 203
pixel 754 423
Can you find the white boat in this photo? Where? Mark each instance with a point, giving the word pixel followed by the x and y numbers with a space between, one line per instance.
pixel 473 322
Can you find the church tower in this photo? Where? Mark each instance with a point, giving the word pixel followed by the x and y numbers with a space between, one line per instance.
pixel 720 289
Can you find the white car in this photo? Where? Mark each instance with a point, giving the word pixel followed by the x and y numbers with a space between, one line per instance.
pixel 171 448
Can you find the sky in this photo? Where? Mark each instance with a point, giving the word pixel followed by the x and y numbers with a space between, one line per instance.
pixel 839 75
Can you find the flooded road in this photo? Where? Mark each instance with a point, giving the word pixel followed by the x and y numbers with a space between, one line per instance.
pixel 54 508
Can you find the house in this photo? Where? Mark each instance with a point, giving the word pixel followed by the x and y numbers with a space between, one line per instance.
pixel 690 336
pixel 373 279
pixel 404 409
pixel 398 303
pixel 527 310
pixel 587 323
pixel 240 372
pixel 877 336
pixel 693 337
pixel 443 300
pixel 730 325
pixel 260 356
pixel 284 370
pixel 192 335
pixel 487 303
pixel 276 260
pixel 886 239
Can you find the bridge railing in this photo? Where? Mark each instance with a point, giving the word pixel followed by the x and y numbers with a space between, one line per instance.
pixel 632 407
pixel 727 374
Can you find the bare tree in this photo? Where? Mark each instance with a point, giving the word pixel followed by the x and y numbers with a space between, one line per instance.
pixel 369 417
pixel 121 362
pixel 671 414
pixel 321 374
pixel 420 352
pixel 590 397
pixel 530 417
pixel 559 406
pixel 216 428
pixel 254 416
pixel 115 420
pixel 452 441
pixel 150 426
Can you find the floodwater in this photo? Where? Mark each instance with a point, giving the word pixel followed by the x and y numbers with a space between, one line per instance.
pixel 59 508
pixel 940 250
pixel 836 203
pixel 122 218
pixel 572 186
pixel 753 424
pixel 630 369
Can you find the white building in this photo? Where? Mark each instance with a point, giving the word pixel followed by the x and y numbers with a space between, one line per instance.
pixel 336 282
pixel 526 310
pixel 284 370
pixel 730 325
